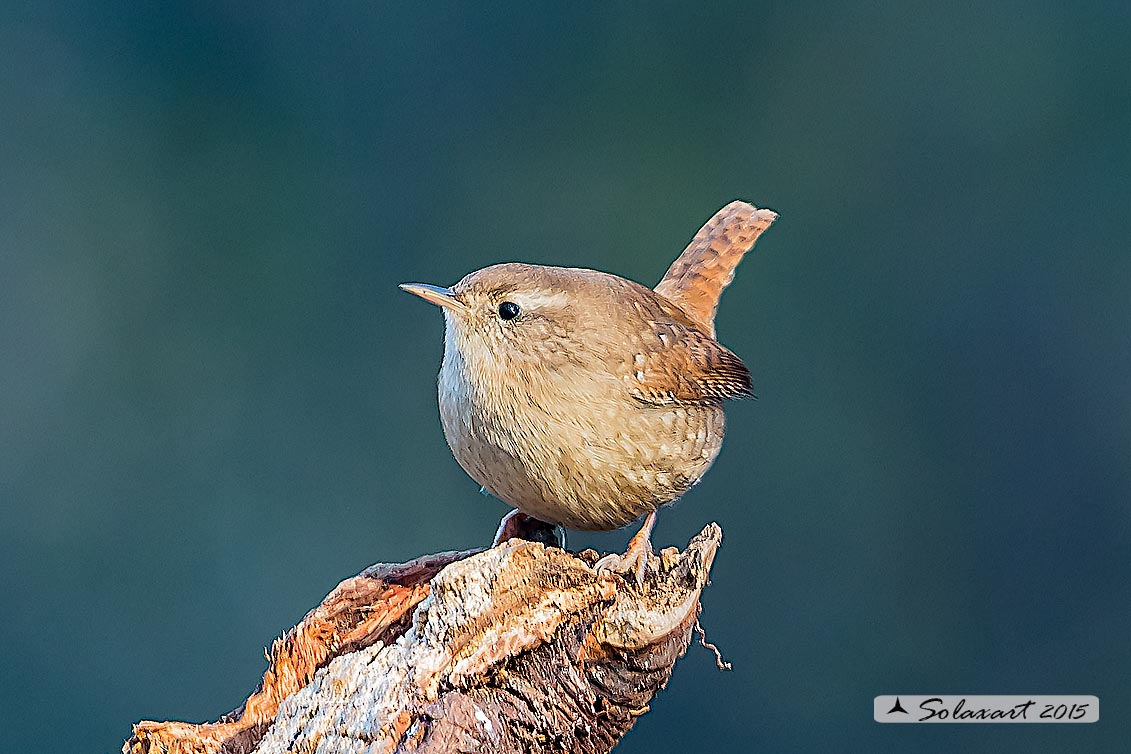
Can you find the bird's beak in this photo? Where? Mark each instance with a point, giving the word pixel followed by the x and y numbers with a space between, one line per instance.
pixel 434 294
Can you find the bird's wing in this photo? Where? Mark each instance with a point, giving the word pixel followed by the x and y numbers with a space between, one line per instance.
pixel 697 277
pixel 681 364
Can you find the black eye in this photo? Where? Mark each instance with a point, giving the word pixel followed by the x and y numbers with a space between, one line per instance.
pixel 508 310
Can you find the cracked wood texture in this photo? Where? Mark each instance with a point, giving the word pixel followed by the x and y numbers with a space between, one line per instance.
pixel 520 648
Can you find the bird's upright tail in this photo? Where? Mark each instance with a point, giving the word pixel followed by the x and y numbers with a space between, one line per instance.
pixel 696 279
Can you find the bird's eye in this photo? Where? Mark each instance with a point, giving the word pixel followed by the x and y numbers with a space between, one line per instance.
pixel 508 310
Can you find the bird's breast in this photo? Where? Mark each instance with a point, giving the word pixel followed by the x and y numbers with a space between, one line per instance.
pixel 573 448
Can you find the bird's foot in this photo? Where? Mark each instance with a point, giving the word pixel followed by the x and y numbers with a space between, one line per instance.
pixel 636 558
pixel 518 525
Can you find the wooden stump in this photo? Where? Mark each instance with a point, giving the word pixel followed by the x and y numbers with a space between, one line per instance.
pixel 520 648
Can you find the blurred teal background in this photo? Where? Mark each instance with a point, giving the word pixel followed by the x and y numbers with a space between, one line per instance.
pixel 214 402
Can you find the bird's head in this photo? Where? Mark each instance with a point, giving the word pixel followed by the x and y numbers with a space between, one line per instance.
pixel 510 315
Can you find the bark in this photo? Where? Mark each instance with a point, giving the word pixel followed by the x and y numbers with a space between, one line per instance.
pixel 520 648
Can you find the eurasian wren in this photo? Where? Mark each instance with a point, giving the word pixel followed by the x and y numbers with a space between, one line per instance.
pixel 587 400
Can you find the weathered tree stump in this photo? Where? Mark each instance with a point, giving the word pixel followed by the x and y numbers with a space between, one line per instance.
pixel 520 648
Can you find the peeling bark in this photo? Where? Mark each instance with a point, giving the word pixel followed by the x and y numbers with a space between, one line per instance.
pixel 520 648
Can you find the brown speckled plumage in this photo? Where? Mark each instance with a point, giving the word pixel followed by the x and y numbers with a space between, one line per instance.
pixel 698 276
pixel 602 399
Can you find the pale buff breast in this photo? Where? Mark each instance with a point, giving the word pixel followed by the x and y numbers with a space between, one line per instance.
pixel 597 461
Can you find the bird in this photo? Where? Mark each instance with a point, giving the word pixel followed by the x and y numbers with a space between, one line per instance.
pixel 585 400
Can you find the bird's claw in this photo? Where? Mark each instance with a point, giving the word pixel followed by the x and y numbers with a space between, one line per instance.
pixel 636 558
pixel 518 525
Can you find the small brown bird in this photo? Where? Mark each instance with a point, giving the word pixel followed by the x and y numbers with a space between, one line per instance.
pixel 585 399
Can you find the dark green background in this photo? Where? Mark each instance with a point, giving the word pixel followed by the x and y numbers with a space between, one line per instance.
pixel 214 402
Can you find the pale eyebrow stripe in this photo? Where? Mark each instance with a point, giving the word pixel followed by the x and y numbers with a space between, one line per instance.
pixel 535 300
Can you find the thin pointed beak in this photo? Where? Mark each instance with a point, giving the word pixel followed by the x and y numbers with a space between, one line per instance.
pixel 434 294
